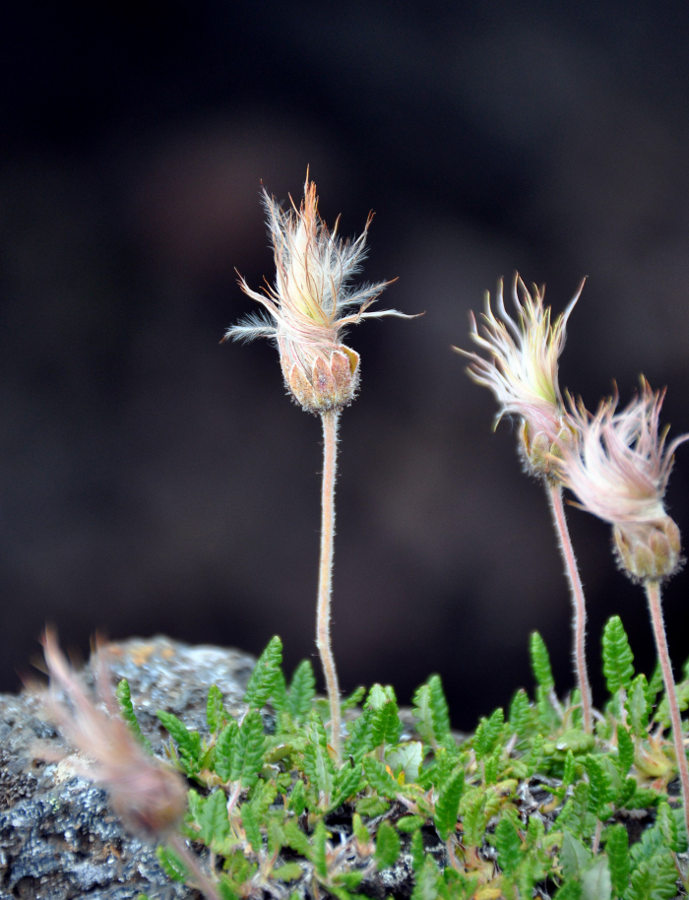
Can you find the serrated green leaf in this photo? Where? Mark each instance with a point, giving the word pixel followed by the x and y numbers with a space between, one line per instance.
pixel 431 712
pixel 226 760
pixel 318 849
pixel 354 699
pixel 215 711
pixel 212 818
pixel 297 798
pixel 618 659
pixel 387 846
pixel 625 750
pixel 617 849
pixel 302 690
pixel 417 851
pixel 520 713
pixel 447 804
pixel 654 879
pixel 188 742
pixel 290 871
pixel 508 845
pixel 409 824
pixel 571 890
pixel 171 864
pixel 251 826
pixel 296 839
pixel 427 881
pixel 474 817
pixel 488 733
pixel 345 784
pixel 249 748
pixel 264 675
pixel 638 705
pixel 124 697
pixel 666 823
pixel 379 778
pixel 568 769
pixel 600 786
pixel 318 765
pixel 540 662
pixel 383 719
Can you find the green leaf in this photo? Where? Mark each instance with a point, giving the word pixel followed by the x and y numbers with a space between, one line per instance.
pixel 290 871
pixel 318 854
pixel 318 765
pixel 618 659
pixel 520 714
pixel 571 890
pixel 296 839
pixel 124 697
pixel 212 817
pixel 600 786
pixel 387 846
pixel 354 699
pixel 188 742
pixel 215 711
pixel 574 856
pixel 265 674
pixel 432 713
pixel 654 879
pixel 625 750
pixel 508 844
pixel 249 748
pixel 346 783
pixel 384 722
pixel 302 690
pixel 406 758
pixel 251 826
pixel 225 757
pixel 171 864
pixel 417 851
pixel 447 804
pixel 488 732
pixel 617 849
pixel 540 663
pixel 427 881
pixel 474 818
pixel 595 881
pixel 667 825
pixel 409 824
pixel 638 705
pixel 379 778
pixel 297 799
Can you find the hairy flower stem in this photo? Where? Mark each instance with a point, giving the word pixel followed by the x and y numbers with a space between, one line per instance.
pixel 330 420
pixel 554 492
pixel 203 882
pixel 655 609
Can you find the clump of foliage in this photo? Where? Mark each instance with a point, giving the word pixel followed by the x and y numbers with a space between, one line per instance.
pixel 530 805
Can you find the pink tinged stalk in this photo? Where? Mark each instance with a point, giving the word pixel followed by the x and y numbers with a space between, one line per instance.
pixel 309 306
pixel 325 570
pixel 554 492
pixel 618 468
pixel 520 367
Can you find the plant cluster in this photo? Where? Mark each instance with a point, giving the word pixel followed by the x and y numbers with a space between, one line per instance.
pixel 529 806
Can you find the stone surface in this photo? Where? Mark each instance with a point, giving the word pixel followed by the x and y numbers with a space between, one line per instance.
pixel 58 838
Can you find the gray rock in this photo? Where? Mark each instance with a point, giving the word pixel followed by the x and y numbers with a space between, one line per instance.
pixel 59 839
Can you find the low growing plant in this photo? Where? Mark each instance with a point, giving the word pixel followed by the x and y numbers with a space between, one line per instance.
pixel 301 797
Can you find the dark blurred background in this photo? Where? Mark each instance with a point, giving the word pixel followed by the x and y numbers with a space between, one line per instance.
pixel 155 481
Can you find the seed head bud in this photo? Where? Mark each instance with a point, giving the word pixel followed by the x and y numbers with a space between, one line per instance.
pixel 311 303
pixel 520 366
pixel 648 552
pixel 618 468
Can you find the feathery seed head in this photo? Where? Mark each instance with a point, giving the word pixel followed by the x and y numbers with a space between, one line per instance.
pixel 149 796
pixel 311 303
pixel 520 367
pixel 618 468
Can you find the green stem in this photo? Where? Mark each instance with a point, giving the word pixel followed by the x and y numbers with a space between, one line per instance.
pixel 330 420
pixel 656 611
pixel 554 492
